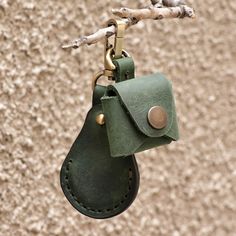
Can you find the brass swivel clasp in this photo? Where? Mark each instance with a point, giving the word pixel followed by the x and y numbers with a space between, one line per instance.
pixel 112 51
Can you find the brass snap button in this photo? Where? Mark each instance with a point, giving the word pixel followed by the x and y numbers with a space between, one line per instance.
pixel 100 119
pixel 157 117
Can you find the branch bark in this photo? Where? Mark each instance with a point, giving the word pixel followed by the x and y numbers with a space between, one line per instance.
pixel 168 3
pixel 97 36
pixel 91 39
pixel 173 3
pixel 132 17
pixel 155 13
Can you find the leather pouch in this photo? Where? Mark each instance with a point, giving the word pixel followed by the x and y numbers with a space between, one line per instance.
pixel 140 114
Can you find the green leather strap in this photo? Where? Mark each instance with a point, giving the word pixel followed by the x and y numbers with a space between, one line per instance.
pixel 124 69
pixel 97 94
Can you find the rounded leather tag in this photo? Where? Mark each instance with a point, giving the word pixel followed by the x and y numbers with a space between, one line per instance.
pixel 157 117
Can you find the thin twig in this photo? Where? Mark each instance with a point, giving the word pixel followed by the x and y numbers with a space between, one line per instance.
pixel 91 39
pixel 97 36
pixel 132 17
pixel 155 13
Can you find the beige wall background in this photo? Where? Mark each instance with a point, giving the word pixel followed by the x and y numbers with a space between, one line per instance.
pixel 187 188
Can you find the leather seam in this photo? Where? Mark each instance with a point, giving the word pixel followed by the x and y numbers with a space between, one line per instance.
pixel 121 202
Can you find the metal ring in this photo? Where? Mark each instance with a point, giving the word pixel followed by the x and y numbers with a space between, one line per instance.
pixel 125 53
pixel 96 77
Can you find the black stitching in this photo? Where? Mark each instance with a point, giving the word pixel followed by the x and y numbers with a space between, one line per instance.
pixel 127 75
pixel 97 210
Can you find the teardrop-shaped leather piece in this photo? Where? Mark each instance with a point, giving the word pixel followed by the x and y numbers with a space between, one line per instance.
pixel 96 184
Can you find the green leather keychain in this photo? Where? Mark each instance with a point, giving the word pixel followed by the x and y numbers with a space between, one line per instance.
pixel 100 176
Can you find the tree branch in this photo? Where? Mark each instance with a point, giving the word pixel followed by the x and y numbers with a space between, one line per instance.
pixel 91 39
pixel 132 17
pixel 97 36
pixel 155 13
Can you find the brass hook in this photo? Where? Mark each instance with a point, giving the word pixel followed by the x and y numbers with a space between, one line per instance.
pixel 119 37
pixel 114 51
pixel 108 73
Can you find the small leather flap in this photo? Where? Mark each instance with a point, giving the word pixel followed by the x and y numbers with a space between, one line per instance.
pixel 141 94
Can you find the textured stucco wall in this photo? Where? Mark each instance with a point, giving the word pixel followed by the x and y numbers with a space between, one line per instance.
pixel 187 188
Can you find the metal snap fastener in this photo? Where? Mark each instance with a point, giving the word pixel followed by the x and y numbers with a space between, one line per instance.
pixel 157 117
pixel 100 119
